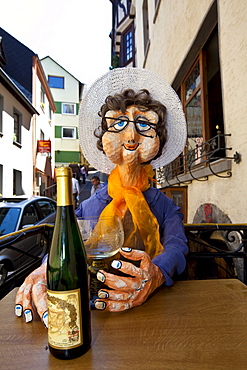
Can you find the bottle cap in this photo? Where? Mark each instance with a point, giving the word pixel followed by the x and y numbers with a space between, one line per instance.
pixel 63 171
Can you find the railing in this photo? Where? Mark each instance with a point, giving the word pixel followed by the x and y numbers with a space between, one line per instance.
pixel 203 155
pixel 227 242
pixel 9 241
pixel 52 188
pixel 207 242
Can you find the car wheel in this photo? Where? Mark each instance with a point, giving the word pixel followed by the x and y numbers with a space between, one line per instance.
pixel 3 273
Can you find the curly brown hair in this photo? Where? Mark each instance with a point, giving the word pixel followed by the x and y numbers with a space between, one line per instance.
pixel 144 101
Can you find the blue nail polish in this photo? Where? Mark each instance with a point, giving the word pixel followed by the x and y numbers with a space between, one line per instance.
pixel 126 249
pixel 102 294
pixel 100 276
pixel 100 305
pixel 116 264
pixel 45 319
pixel 28 315
pixel 18 310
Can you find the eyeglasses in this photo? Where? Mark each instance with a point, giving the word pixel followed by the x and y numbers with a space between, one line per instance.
pixel 142 126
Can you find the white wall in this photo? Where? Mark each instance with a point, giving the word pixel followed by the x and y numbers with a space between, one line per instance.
pixel 70 93
pixel 171 37
pixel 11 156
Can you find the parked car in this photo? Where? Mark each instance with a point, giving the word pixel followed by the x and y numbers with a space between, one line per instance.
pixel 18 214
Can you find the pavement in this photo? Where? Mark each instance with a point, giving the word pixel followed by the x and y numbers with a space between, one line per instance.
pixel 85 189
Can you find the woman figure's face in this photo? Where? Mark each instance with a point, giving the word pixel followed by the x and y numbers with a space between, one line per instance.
pixel 131 137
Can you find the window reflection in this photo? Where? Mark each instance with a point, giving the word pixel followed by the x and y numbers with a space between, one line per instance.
pixel 193 81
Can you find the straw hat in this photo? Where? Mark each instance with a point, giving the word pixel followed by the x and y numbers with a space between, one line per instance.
pixel 116 81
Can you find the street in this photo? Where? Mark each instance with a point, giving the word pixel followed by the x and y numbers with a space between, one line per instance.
pixel 85 189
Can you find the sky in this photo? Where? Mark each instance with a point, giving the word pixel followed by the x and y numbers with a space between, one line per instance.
pixel 75 33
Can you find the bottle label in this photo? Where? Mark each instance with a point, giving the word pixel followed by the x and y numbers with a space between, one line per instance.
pixel 64 324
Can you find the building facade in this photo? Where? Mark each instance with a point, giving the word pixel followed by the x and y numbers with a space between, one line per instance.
pixel 200 48
pixel 31 159
pixel 16 112
pixel 67 92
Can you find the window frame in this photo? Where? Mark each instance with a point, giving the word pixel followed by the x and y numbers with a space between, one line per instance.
pixel 17 182
pixel 124 48
pixel 69 128
pixel 59 78
pixel 17 126
pixel 145 19
pixel 202 86
pixel 121 17
pixel 68 113
pixel 171 192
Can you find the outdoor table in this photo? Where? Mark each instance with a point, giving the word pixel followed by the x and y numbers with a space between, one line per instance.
pixel 192 325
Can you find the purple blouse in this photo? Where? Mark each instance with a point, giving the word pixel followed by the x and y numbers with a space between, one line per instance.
pixel 170 220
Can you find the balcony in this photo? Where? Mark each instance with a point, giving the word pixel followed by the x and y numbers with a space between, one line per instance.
pixel 209 158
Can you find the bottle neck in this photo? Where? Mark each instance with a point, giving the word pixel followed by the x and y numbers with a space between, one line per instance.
pixel 64 191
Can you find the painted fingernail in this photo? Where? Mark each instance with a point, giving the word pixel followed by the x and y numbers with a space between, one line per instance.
pixel 100 305
pixel 116 264
pixel 28 315
pixel 126 249
pixel 102 294
pixel 45 319
pixel 18 310
pixel 100 276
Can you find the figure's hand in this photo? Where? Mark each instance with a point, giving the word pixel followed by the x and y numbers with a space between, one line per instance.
pixel 132 291
pixel 33 290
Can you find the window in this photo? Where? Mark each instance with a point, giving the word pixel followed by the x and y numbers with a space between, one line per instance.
pixel 68 108
pixel 202 98
pixel 1 113
pixel 29 216
pixel 199 88
pixel 68 132
pixel 8 219
pixel 50 113
pixel 46 207
pixel 179 196
pixel 192 91
pixel 42 95
pixel 123 7
pixel 17 183
pixel 127 46
pixel 56 82
pixel 17 126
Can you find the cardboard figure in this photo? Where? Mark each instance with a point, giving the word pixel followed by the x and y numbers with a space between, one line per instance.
pixel 130 122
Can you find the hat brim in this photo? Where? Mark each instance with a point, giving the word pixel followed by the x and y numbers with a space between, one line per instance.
pixel 116 81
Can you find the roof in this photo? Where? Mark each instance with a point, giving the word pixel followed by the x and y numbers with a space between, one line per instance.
pixel 14 89
pixel 81 85
pixel 60 67
pixel 19 60
pixel 2 54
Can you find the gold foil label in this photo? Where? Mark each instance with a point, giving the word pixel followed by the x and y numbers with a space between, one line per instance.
pixel 64 323
pixel 64 186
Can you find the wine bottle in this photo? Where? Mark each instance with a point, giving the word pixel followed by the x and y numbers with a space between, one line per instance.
pixel 69 327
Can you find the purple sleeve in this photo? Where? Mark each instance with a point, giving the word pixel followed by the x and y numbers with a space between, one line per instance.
pixel 174 241
pixel 94 205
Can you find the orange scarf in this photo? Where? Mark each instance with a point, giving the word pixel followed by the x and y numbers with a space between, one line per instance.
pixel 143 218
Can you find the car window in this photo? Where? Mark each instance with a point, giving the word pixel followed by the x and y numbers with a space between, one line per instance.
pixel 46 207
pixel 29 216
pixel 8 219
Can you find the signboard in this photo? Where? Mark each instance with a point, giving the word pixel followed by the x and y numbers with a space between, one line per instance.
pixel 44 146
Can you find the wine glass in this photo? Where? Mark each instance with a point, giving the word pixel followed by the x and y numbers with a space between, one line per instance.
pixel 103 236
